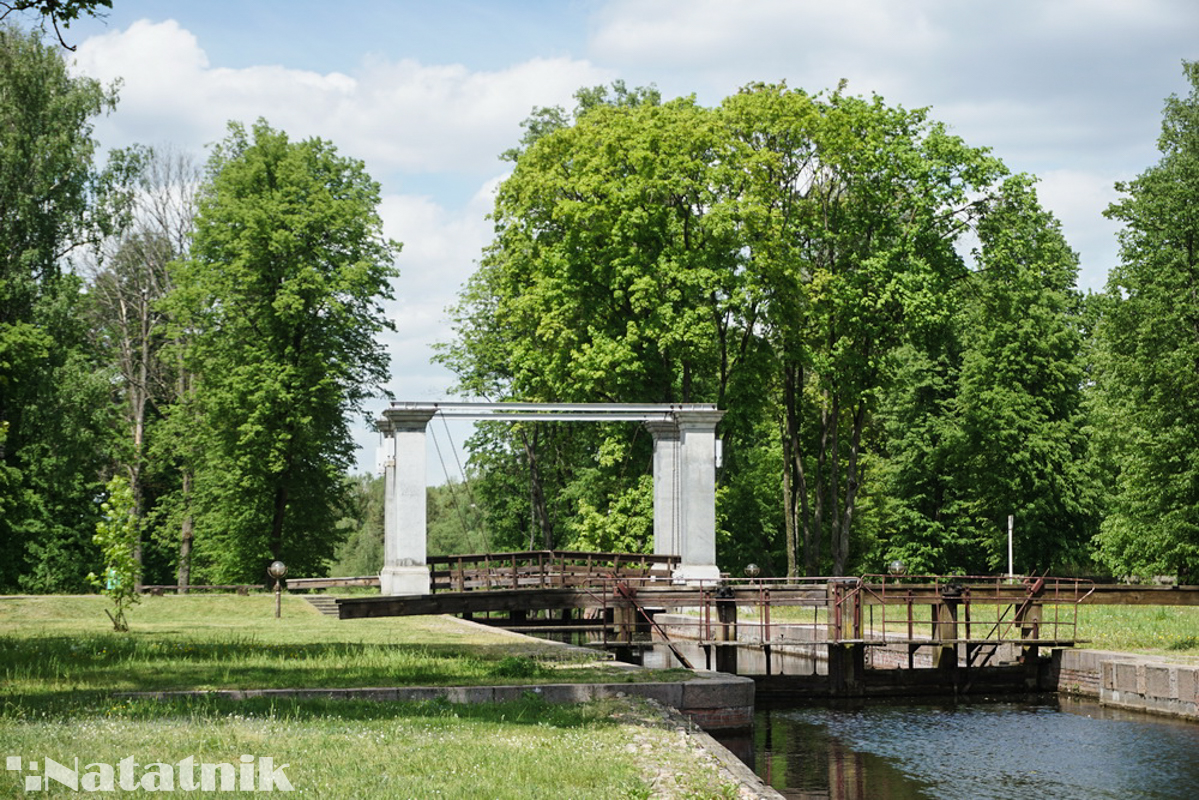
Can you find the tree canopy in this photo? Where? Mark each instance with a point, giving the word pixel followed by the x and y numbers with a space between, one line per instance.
pixel 888 317
pixel 1148 349
pixel 279 308
pixel 773 255
pixel 53 393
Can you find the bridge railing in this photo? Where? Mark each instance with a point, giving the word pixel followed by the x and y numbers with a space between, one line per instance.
pixel 546 569
pixel 977 608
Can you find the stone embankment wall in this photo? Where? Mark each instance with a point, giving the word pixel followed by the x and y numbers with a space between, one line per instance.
pixel 712 700
pixel 1130 681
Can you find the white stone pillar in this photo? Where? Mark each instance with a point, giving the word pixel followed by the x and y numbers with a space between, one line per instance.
pixel 404 537
pixel 665 433
pixel 697 495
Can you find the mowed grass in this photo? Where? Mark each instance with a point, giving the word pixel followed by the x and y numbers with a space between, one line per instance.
pixel 357 749
pixel 55 644
pixel 63 668
pixel 1169 630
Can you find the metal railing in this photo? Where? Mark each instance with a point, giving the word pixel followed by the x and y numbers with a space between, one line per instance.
pixel 972 608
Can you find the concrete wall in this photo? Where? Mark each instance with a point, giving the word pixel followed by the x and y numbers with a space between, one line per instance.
pixel 1129 681
pixel 714 701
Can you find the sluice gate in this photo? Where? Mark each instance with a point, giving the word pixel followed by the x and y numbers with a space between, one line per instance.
pixel 866 635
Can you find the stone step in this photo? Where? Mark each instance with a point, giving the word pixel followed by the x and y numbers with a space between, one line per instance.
pixel 324 603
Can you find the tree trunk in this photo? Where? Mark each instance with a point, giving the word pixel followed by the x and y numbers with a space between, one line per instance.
pixel 797 512
pixel 186 536
pixel 841 555
pixel 814 531
pixel 277 519
pixel 540 518
pixel 790 528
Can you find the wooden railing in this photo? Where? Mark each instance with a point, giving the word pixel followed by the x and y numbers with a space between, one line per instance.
pixel 162 588
pixel 969 608
pixel 299 584
pixel 546 569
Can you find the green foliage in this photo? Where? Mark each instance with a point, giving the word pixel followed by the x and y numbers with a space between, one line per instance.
pixel 455 522
pixel 1145 359
pixel 772 256
pixel 117 536
pixel 361 551
pixel 278 307
pixel 54 407
pixel 984 417
pixel 625 527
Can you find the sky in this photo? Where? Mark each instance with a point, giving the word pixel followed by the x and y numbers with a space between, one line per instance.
pixel 428 94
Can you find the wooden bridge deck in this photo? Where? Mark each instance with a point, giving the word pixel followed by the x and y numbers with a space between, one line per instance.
pixel 976 632
pixel 617 596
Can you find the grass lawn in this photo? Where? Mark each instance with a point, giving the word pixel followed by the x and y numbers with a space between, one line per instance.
pixel 1165 630
pixel 61 666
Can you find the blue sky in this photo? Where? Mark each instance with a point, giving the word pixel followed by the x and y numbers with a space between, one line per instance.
pixel 429 93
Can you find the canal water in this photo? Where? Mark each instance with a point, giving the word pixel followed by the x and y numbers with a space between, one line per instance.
pixel 1060 749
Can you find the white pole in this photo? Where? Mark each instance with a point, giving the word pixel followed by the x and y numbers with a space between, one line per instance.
pixel 1010 523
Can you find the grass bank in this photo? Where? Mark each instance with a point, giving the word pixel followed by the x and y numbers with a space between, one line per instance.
pixel 61 668
pixel 56 644
pixel 1162 630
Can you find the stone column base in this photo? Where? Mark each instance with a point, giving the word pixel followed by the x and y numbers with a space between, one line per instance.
pixel 404 580
pixel 693 574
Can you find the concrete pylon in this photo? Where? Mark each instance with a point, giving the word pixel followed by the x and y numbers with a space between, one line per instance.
pixel 697 496
pixel 405 570
pixel 667 538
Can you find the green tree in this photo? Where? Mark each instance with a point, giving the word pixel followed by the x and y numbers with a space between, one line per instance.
pixel 1146 373
pixel 118 538
pixel 54 403
pixel 850 211
pixel 361 551
pixel 612 276
pixel 280 300
pixel 984 416
pixel 768 256
pixel 129 325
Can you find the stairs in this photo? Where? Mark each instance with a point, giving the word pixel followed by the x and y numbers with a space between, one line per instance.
pixel 324 603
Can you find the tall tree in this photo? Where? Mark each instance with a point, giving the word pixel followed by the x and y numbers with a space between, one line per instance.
pixel 52 397
pixel 851 211
pixel 984 416
pixel 613 276
pixel 129 323
pixel 669 252
pixel 280 299
pixel 1148 357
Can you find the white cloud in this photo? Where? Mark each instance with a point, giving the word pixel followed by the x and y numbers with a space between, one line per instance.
pixel 1070 90
pixel 1078 200
pixel 401 117
pixel 395 115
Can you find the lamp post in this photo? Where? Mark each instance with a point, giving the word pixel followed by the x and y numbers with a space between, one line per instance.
pixel 277 570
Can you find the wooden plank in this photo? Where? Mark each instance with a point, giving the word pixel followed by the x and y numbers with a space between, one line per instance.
pixel 1126 595
pixel 325 583
pixel 536 600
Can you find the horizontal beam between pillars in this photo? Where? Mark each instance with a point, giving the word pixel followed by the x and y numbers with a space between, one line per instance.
pixel 554 412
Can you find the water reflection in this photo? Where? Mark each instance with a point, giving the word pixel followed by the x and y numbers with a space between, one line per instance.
pixel 796 754
pixel 977 750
